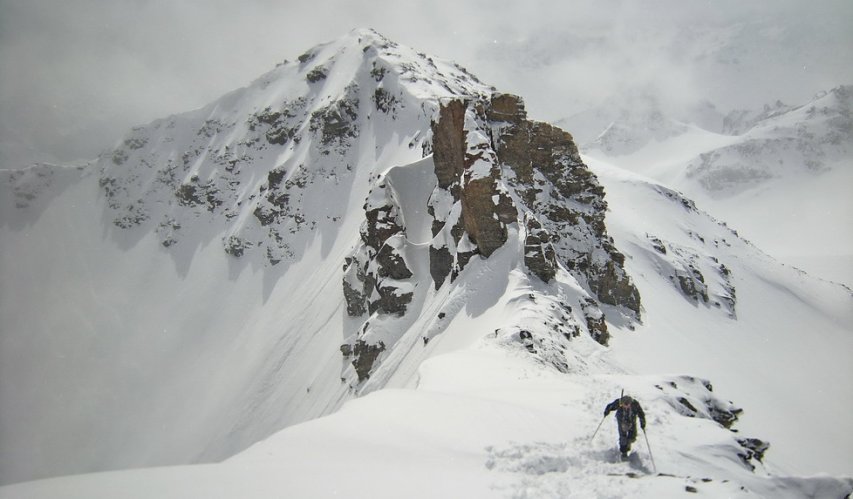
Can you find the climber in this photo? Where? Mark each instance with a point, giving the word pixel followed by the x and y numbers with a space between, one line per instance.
pixel 627 411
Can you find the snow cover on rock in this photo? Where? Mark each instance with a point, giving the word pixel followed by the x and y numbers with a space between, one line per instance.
pixel 183 299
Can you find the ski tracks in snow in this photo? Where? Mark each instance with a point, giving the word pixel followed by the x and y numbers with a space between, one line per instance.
pixel 575 469
pixel 563 469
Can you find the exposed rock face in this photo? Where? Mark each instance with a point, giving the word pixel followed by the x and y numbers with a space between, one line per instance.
pixel 695 398
pixel 700 277
pixel 752 448
pixel 448 143
pixel 567 198
pixel 595 322
pixel 539 254
pixel 337 122
pixel 496 172
pixel 470 205
pixel 485 148
pixel 363 355
pixel 376 275
pixel 372 274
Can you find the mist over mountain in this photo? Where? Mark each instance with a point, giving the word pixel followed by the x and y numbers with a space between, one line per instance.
pixel 83 73
pixel 374 235
pixel 774 173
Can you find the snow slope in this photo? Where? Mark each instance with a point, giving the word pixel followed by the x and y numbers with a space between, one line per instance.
pixel 483 421
pixel 789 338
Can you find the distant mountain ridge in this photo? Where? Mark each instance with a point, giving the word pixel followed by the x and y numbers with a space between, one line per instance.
pixel 764 144
pixel 777 141
pixel 745 167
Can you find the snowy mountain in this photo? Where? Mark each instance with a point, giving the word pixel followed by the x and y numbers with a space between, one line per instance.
pixel 746 167
pixel 779 141
pixel 629 121
pixel 369 222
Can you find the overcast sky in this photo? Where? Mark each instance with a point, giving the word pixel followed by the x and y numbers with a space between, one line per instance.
pixel 75 74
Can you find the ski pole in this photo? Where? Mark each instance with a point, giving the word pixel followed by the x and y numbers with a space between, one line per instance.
pixel 597 428
pixel 655 468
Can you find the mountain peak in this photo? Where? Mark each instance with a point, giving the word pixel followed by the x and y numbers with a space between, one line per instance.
pixel 364 57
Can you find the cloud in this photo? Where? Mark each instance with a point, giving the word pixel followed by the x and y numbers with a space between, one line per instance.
pixel 75 74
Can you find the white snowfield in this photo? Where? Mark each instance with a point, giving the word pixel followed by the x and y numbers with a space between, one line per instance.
pixel 121 353
pixel 486 421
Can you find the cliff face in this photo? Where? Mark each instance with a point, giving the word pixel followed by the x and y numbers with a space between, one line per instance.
pixel 494 172
pixel 541 165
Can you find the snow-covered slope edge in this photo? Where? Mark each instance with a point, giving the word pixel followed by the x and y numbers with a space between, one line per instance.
pixel 484 421
pixel 783 357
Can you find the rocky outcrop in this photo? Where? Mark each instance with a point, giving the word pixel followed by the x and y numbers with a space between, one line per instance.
pixel 553 182
pixel 695 398
pixel 336 123
pixel 448 144
pixel 488 156
pixel 539 254
pixel 374 274
pixel 470 205
pixel 701 278
pixel 363 356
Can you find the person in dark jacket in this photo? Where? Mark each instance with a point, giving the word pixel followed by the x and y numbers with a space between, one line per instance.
pixel 627 411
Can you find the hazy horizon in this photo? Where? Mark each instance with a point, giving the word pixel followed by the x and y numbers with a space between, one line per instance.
pixel 78 75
